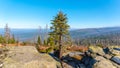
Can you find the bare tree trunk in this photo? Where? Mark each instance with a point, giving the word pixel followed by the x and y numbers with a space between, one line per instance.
pixel 7 33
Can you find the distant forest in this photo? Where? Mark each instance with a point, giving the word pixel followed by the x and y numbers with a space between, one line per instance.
pixel 96 36
pixel 90 36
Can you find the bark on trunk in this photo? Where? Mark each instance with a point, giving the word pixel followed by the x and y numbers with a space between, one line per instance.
pixel 60 49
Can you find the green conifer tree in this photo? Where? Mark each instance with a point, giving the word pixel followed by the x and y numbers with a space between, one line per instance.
pixel 59 29
pixel 39 41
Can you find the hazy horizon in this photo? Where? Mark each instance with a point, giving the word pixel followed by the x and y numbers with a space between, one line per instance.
pixel 69 28
pixel 81 13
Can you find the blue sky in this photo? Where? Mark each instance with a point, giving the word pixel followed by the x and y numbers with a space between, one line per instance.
pixel 80 13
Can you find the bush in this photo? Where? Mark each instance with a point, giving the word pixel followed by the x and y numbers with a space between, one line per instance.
pixel 11 41
pixel 49 50
pixel 24 43
pixel 42 51
pixel 2 39
pixel 99 45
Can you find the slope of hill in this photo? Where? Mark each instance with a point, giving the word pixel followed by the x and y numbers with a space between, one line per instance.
pixel 88 35
pixel 95 35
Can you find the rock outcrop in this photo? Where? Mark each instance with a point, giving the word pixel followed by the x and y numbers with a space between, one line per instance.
pixel 95 57
pixel 28 57
pixel 103 63
pixel 97 50
pixel 114 51
pixel 116 59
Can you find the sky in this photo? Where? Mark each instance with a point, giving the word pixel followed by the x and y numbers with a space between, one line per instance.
pixel 80 13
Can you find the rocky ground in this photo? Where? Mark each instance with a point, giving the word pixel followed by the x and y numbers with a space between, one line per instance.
pixel 95 57
pixel 25 57
pixel 29 57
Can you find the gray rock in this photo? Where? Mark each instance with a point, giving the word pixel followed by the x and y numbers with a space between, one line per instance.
pixel 71 54
pixel 107 56
pixel 103 63
pixel 96 49
pixel 1 64
pixel 88 61
pixel 82 66
pixel 117 49
pixel 106 50
pixel 28 57
pixel 116 65
pixel 116 59
pixel 66 65
pixel 115 52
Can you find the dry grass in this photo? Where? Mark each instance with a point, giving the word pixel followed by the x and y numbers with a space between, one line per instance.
pixel 78 48
pixel 78 57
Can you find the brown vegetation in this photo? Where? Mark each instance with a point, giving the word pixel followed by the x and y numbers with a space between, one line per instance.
pixel 43 47
pixel 78 57
pixel 77 48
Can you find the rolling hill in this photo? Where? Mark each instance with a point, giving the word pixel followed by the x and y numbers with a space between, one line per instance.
pixel 109 35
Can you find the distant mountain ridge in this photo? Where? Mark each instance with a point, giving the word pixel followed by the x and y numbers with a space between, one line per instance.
pixel 89 34
pixel 94 31
pixel 111 34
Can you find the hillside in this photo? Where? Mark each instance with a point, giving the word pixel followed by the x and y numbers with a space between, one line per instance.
pixel 111 35
pixel 95 35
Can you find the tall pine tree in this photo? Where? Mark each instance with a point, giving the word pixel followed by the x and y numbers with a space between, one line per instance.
pixel 59 29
